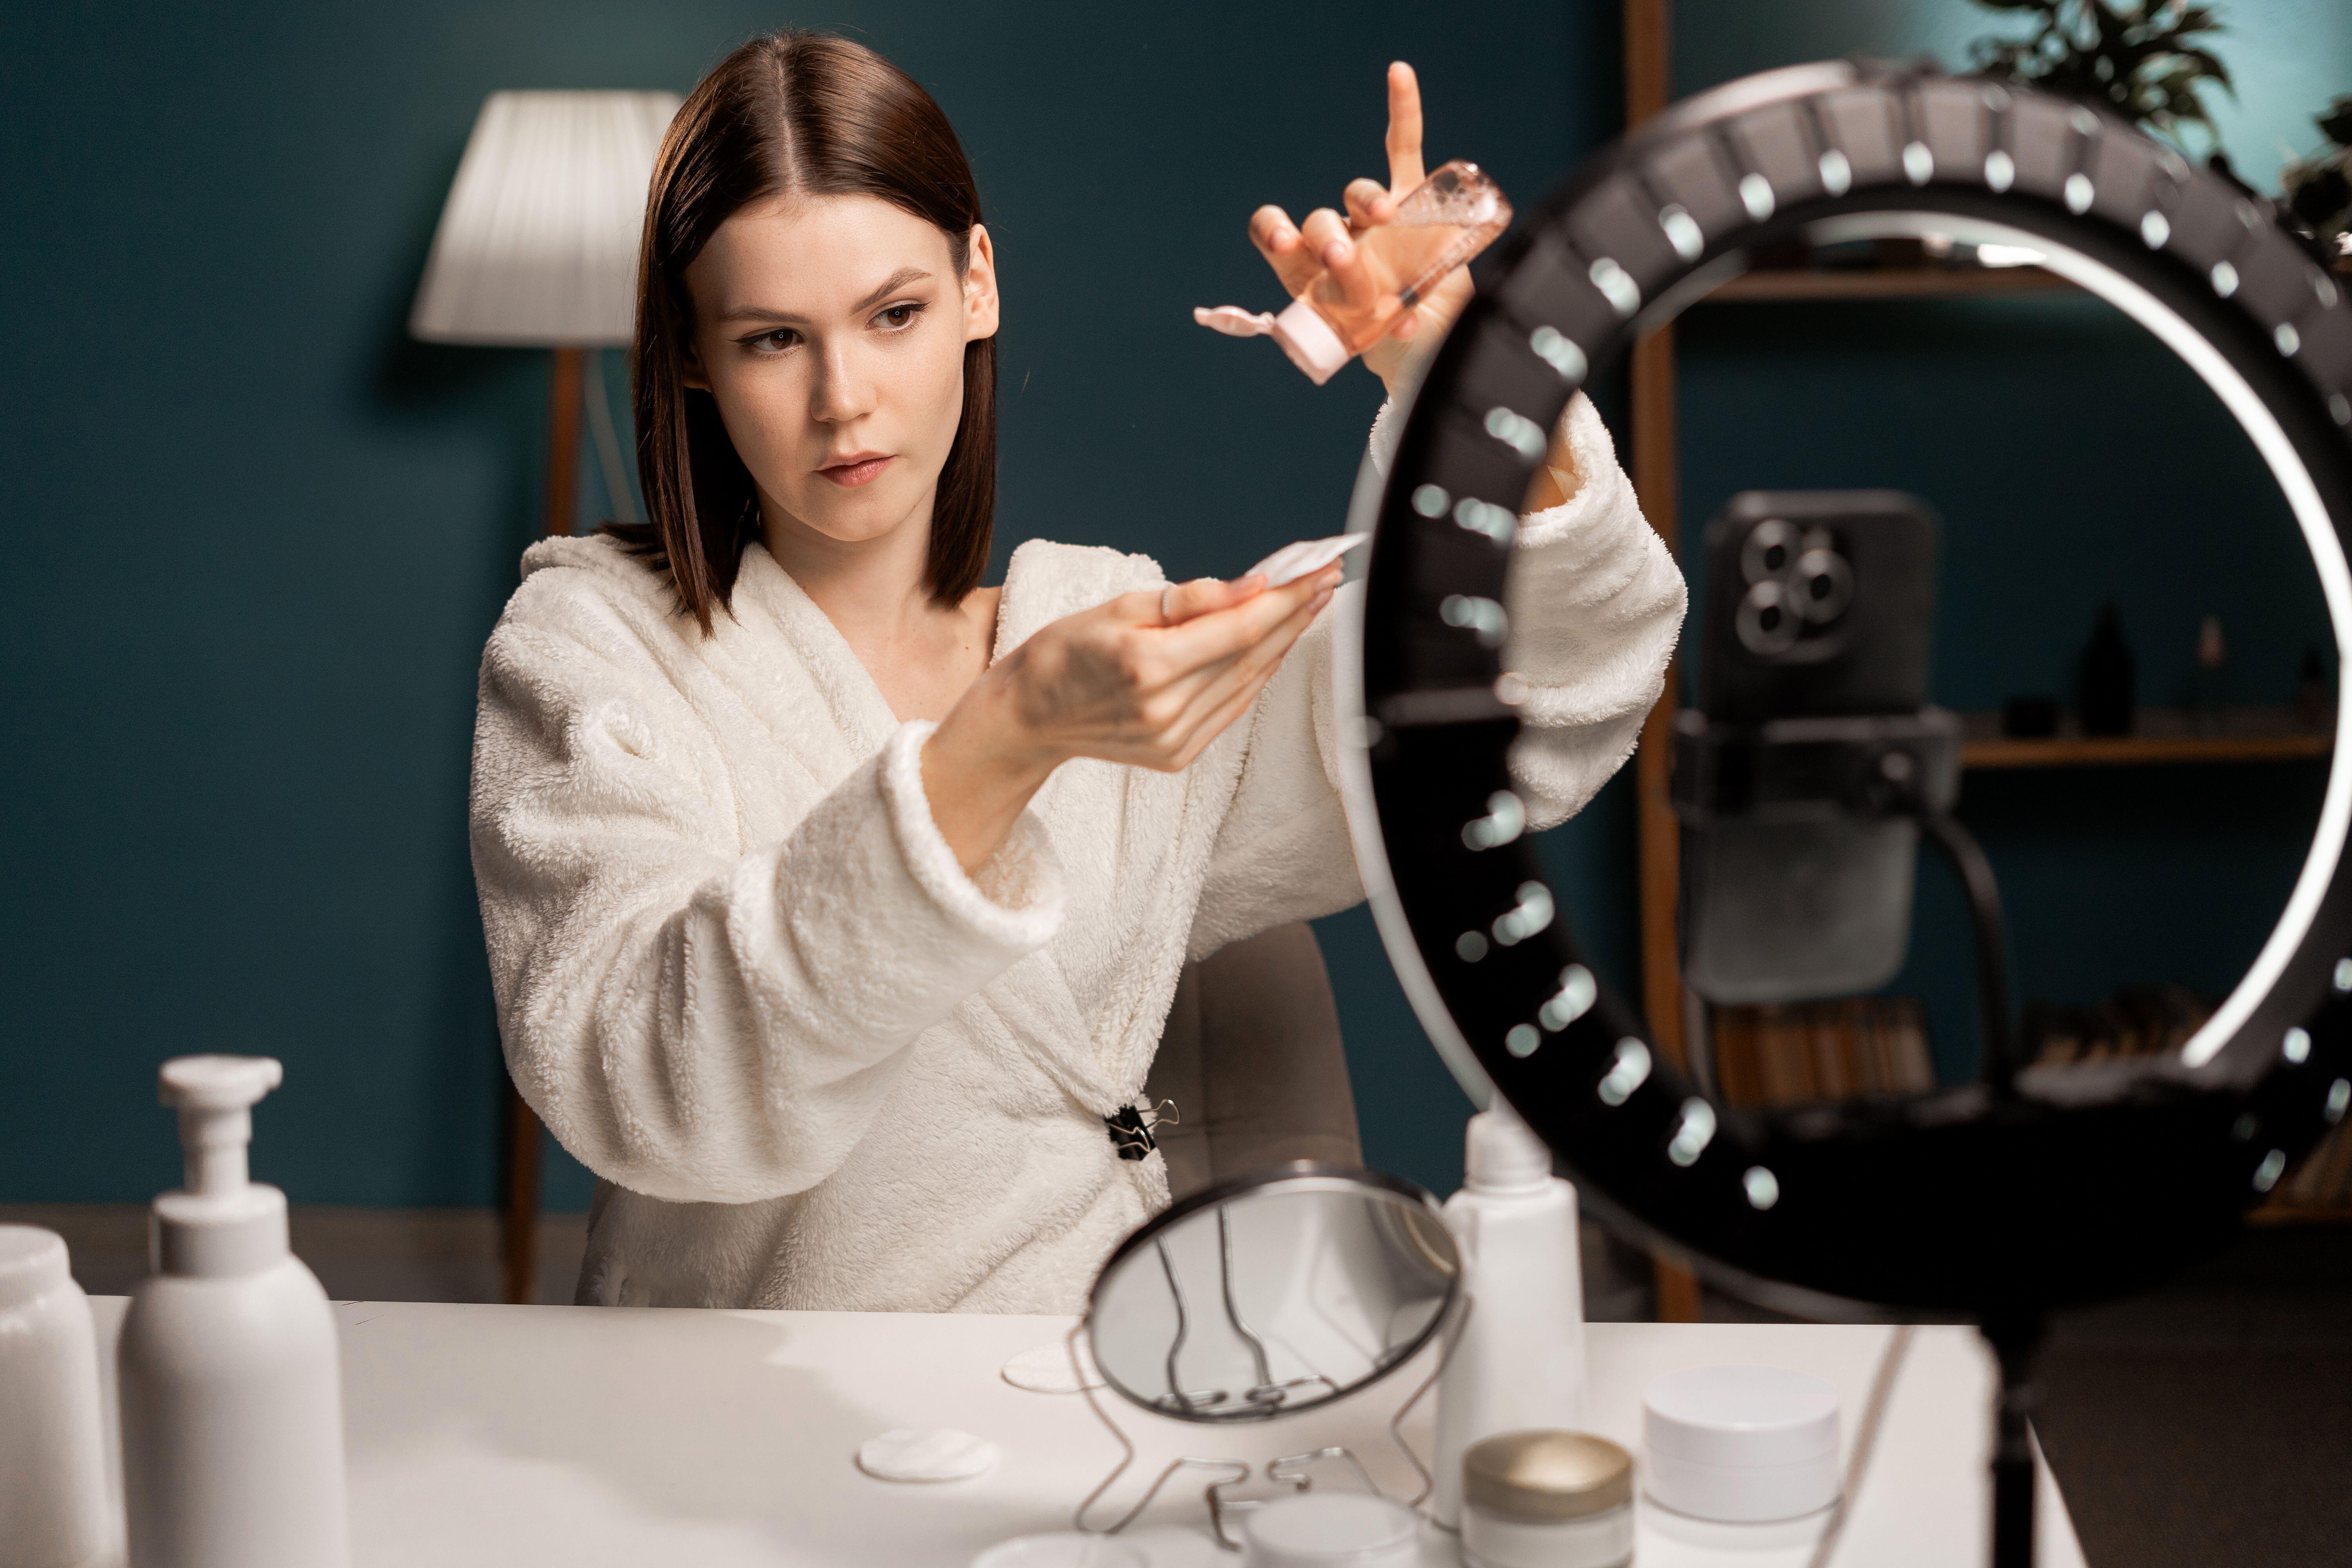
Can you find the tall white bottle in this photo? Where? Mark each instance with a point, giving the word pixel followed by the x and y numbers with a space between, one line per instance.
pixel 231 1382
pixel 1519 1363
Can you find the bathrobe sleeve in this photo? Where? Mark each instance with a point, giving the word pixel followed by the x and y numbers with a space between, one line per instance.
pixel 694 1022
pixel 1595 604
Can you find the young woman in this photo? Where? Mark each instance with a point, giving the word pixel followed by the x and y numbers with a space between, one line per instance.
pixel 834 901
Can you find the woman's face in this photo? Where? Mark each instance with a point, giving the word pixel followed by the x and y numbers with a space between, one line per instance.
pixel 831 331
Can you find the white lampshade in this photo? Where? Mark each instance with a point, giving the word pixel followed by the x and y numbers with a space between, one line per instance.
pixel 538 244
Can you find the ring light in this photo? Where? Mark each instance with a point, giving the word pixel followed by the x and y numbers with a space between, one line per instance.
pixel 2077 1185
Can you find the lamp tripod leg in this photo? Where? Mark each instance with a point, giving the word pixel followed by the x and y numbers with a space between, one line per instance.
pixel 519 1233
pixel 564 394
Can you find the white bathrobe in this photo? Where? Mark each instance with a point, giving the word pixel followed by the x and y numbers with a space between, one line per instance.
pixel 742 978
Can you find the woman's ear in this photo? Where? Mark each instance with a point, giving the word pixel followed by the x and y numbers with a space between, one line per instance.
pixel 690 368
pixel 979 299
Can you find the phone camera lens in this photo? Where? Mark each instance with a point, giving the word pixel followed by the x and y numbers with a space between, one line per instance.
pixel 1820 586
pixel 1768 622
pixel 1770 547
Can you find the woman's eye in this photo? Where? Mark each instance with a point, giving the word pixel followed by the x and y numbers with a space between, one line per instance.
pixel 773 342
pixel 900 315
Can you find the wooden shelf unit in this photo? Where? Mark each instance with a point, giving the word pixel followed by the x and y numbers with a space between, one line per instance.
pixel 1902 277
pixel 2162 736
pixel 1765 284
pixel 2300 1214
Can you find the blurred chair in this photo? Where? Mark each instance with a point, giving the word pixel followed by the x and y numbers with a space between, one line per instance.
pixel 1251 1058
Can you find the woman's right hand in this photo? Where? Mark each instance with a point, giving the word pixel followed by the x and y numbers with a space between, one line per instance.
pixel 1122 683
pixel 1301 253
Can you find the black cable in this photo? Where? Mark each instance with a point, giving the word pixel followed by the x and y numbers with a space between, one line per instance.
pixel 2001 1064
pixel 1881 1389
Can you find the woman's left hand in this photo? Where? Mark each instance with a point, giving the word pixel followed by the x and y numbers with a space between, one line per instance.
pixel 1300 253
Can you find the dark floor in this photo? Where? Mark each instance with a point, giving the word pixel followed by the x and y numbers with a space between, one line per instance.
pixel 2210 1424
pixel 2207 1423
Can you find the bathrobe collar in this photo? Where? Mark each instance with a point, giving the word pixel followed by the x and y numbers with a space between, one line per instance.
pixel 1030 1005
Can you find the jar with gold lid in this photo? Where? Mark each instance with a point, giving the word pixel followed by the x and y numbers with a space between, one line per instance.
pixel 1547 1499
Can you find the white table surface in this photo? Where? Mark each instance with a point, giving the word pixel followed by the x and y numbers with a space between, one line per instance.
pixel 522 1436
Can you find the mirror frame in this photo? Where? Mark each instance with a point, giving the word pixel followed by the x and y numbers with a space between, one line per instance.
pixel 2080 1185
pixel 1299 1176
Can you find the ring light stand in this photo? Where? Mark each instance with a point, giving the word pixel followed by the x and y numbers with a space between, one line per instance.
pixel 1998 1205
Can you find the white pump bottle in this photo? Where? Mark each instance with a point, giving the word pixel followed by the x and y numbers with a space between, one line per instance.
pixel 1519 1363
pixel 231 1380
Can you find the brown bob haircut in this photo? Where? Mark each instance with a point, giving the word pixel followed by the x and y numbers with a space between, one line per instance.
pixel 790 113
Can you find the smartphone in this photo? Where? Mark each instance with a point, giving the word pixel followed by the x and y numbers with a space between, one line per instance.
pixel 1820 604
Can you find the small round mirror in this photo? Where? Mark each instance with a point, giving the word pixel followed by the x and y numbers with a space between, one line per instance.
pixel 1272 1294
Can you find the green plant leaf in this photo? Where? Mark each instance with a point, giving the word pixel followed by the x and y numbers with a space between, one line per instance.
pixel 2337 123
pixel 2135 56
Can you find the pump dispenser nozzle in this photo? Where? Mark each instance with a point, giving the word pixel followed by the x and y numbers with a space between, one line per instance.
pixel 220 1222
pixel 215 1097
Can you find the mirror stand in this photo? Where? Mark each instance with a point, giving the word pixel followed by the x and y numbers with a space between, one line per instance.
pixel 1290 1470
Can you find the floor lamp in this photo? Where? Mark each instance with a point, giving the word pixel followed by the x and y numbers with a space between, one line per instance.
pixel 537 247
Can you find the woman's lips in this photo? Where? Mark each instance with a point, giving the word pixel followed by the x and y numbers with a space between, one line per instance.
pixel 856 471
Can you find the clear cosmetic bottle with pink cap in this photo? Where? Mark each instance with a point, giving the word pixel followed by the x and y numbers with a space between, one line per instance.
pixel 1444 222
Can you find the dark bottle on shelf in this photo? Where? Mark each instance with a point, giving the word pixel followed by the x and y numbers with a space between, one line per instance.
pixel 2205 685
pixel 2315 706
pixel 2104 693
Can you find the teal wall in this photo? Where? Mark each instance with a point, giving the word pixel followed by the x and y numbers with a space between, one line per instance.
pixel 255 536
pixel 2288 58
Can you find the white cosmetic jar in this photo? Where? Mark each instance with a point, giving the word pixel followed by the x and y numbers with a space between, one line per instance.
pixel 1742 1445
pixel 1547 1499
pixel 1331 1530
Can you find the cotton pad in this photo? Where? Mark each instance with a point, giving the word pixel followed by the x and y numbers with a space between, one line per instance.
pixel 1046 1369
pixel 935 1454
pixel 1293 561
pixel 1066 1549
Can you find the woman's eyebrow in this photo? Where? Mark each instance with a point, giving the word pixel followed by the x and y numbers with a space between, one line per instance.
pixel 890 285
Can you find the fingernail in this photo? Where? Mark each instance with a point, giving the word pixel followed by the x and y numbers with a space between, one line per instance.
pixel 1250 583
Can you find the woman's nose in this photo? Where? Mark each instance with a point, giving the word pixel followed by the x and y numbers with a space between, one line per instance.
pixel 842 391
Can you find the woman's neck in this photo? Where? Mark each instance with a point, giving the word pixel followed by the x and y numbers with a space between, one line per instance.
pixel 921 654
pixel 873 584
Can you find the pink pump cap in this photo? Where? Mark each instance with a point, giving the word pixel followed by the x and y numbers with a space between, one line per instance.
pixel 1309 342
